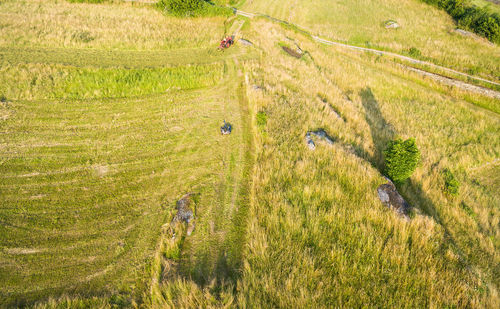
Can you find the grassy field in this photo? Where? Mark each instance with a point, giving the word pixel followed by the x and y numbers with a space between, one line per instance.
pixel 320 237
pixel 491 5
pixel 97 144
pixel 361 22
pixel 99 138
pixel 134 26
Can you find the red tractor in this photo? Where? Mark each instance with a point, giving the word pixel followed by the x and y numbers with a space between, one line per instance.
pixel 226 42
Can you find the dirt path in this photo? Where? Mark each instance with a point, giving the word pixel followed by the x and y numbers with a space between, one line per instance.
pixel 447 80
pixel 456 83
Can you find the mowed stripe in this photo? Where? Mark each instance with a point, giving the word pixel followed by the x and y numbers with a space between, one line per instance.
pixel 119 58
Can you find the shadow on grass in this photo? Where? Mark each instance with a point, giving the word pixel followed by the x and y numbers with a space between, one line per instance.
pixel 382 132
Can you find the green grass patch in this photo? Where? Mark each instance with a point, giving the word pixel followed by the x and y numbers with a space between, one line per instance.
pixel 88 1
pixel 358 22
pixel 451 184
pixel 261 120
pixel 56 81
pixel 86 185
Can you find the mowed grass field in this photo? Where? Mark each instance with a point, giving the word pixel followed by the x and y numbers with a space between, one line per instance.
pixel 361 22
pixel 100 137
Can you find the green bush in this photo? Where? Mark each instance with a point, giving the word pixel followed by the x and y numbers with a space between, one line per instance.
pixel 414 52
pixel 192 8
pixel 261 119
pixel 451 184
pixel 182 7
pixel 401 159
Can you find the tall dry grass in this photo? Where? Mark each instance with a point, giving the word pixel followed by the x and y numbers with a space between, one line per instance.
pixel 361 22
pixel 319 237
pixel 120 25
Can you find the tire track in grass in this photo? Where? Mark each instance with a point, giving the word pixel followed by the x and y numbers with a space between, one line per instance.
pixel 213 253
pixel 220 260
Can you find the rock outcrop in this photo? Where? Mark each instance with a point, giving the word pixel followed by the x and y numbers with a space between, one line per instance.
pixel 321 134
pixel 310 143
pixel 389 196
pixel 184 213
pixel 391 24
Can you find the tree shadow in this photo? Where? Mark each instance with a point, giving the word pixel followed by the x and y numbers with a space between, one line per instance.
pixel 381 131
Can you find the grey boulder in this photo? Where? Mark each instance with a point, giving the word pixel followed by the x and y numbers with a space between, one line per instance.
pixel 390 197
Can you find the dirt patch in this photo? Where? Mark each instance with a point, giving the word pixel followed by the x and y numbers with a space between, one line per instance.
pixel 4 109
pixel 294 53
pixel 176 129
pixel 101 170
pixel 30 174
pixel 38 196
pixel 100 273
pixel 245 42
pixel 21 251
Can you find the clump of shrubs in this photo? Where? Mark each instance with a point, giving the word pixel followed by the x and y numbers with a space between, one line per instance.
pixel 182 7
pixel 472 17
pixel 451 184
pixel 401 159
pixel 192 8
pixel 415 52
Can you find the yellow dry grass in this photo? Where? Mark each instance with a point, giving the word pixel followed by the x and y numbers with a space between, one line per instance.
pixel 361 22
pixel 122 25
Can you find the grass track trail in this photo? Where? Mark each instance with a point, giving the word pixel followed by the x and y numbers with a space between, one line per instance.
pixel 213 254
pixel 210 251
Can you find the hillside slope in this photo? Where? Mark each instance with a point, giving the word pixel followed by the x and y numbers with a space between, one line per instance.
pixel 110 113
pixel 429 31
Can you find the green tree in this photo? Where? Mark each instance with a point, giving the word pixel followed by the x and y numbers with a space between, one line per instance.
pixel 401 159
pixel 182 7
